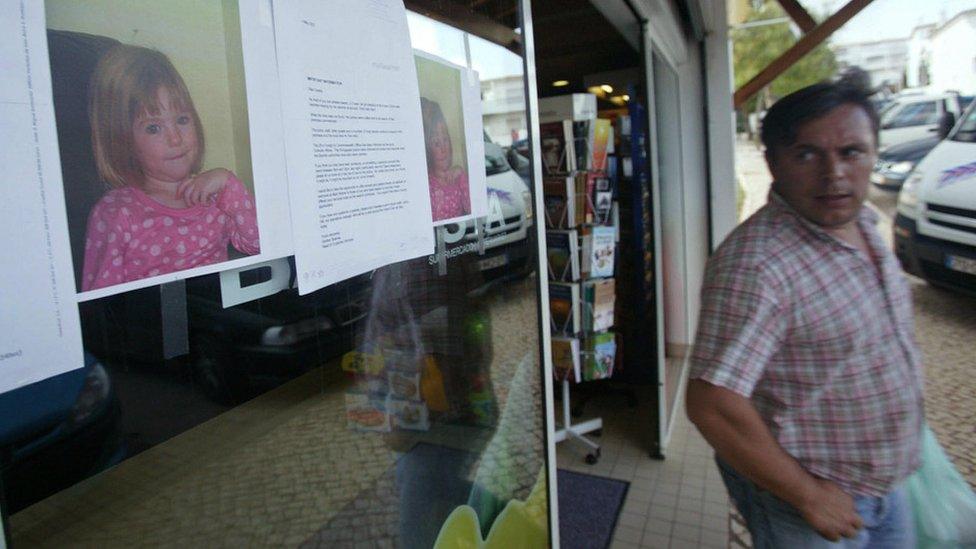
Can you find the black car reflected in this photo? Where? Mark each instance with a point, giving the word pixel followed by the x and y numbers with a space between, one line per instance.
pixel 57 432
pixel 235 352
pixel 896 162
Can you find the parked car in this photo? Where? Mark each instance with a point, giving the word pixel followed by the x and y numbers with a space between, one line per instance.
pixel 509 246
pixel 896 162
pixel 935 227
pixel 57 432
pixel 913 116
pixel 235 351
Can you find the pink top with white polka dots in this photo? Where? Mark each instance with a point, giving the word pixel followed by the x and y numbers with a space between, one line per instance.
pixel 451 198
pixel 131 236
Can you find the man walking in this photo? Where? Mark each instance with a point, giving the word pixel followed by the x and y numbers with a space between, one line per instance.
pixel 805 374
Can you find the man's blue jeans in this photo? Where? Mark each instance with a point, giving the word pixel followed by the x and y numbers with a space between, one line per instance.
pixel 773 523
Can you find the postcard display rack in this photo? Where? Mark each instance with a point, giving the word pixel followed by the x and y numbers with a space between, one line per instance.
pixel 581 239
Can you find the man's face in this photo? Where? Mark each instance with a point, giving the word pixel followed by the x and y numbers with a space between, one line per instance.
pixel 824 175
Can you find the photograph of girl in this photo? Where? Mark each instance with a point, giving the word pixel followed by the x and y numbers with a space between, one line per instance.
pixel 450 194
pixel 449 126
pixel 162 214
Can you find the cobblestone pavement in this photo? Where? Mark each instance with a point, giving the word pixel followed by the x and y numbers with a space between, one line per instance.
pixel 945 328
pixel 285 470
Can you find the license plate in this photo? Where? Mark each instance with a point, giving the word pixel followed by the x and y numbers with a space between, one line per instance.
pixel 493 262
pixel 961 264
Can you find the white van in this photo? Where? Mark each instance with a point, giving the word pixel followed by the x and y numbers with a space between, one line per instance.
pixel 915 116
pixel 935 228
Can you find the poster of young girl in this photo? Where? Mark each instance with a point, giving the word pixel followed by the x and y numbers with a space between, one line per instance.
pixel 450 101
pixel 158 109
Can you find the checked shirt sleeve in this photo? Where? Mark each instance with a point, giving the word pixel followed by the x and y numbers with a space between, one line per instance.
pixel 740 326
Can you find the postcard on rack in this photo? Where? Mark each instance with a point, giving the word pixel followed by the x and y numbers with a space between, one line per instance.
pixel 602 144
pixel 599 296
pixel 142 211
pixel 583 143
pixel 38 313
pixel 450 102
pixel 562 253
pixel 564 308
pixel 354 137
pixel 601 351
pixel 559 199
pixel 600 252
pixel 566 359
pixel 558 148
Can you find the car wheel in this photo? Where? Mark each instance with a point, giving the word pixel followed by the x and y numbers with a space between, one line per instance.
pixel 211 363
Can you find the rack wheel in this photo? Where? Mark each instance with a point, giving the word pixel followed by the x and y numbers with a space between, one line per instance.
pixel 593 457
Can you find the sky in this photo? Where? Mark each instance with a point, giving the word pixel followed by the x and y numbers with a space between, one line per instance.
pixel 490 60
pixel 884 19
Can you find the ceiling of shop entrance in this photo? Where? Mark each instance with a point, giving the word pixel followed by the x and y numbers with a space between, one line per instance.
pixel 572 38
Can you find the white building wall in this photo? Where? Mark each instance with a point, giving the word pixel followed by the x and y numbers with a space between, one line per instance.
pixel 503 108
pixel 721 123
pixel 918 54
pixel 694 158
pixel 953 59
pixel 884 60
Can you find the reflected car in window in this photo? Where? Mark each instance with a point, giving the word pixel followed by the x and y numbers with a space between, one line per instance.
pixel 505 229
pixel 235 352
pixel 912 116
pixel 896 162
pixel 57 432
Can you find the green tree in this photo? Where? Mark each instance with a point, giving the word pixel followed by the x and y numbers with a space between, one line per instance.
pixel 754 48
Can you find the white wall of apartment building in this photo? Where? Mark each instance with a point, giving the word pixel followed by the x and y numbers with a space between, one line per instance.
pixel 953 55
pixel 503 108
pixel 884 60
pixel 919 55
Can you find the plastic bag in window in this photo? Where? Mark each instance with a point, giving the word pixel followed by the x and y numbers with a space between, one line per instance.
pixel 943 503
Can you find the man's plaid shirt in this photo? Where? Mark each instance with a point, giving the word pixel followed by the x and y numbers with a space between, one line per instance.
pixel 821 342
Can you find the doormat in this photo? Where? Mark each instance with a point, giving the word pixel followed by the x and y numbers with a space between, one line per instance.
pixel 588 509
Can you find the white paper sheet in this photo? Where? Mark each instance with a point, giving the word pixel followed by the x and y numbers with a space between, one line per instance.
pixel 457 91
pixel 38 315
pixel 354 142
pixel 262 121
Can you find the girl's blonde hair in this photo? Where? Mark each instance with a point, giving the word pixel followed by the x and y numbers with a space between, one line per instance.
pixel 125 86
pixel 432 114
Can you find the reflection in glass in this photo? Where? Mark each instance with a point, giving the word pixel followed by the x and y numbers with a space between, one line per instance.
pixel 396 408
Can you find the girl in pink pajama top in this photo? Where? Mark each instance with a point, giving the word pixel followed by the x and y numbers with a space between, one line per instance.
pixel 449 193
pixel 163 215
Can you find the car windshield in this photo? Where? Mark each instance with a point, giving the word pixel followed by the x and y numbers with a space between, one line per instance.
pixel 495 161
pixel 886 108
pixel 966 130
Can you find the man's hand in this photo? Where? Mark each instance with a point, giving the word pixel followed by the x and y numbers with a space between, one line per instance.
pixel 731 424
pixel 203 187
pixel 830 511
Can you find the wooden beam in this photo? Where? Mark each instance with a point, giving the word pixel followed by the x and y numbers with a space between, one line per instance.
pixel 799 15
pixel 803 46
pixel 462 17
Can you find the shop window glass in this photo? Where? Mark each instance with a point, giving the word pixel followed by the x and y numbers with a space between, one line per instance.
pixel 384 410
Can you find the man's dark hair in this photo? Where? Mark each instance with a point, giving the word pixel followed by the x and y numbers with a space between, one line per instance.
pixel 789 113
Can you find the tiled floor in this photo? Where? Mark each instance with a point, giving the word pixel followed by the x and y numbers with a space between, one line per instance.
pixel 679 502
